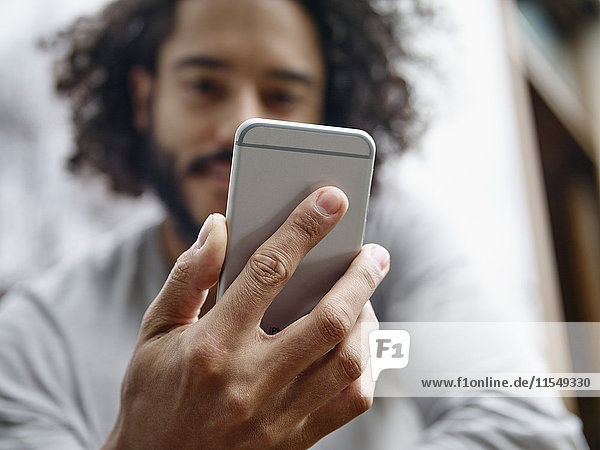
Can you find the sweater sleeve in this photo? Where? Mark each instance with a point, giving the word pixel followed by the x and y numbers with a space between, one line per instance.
pixel 42 403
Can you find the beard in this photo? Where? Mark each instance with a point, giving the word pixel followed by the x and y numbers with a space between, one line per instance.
pixel 161 176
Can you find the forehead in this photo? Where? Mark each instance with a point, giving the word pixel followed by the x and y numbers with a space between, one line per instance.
pixel 247 32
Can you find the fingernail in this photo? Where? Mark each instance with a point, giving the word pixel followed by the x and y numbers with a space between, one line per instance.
pixel 381 256
pixel 329 201
pixel 204 231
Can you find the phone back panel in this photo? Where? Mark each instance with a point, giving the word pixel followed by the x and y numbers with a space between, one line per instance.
pixel 275 166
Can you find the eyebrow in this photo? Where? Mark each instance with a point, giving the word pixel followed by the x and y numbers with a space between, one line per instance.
pixel 202 61
pixel 292 75
pixel 217 63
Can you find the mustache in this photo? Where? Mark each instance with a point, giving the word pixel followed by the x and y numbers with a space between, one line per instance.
pixel 200 164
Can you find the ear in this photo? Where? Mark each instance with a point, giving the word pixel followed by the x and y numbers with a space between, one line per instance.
pixel 140 86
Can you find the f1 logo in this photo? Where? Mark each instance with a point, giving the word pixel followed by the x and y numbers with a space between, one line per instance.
pixel 389 349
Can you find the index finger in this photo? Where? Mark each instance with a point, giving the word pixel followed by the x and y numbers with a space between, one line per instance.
pixel 334 317
pixel 273 263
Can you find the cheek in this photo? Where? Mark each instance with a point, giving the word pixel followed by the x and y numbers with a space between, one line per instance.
pixel 171 125
pixel 179 129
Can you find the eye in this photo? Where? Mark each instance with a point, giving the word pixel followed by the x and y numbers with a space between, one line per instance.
pixel 282 99
pixel 204 88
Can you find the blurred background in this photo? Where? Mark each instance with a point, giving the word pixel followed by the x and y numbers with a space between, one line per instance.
pixel 510 157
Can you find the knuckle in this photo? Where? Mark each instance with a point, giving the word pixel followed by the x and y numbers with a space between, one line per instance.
pixel 239 404
pixel 307 225
pixel 157 319
pixel 183 269
pixel 268 267
pixel 205 359
pixel 334 323
pixel 187 277
pixel 359 402
pixel 370 276
pixel 351 363
pixel 151 321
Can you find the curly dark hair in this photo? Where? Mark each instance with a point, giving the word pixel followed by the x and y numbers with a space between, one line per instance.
pixel 362 43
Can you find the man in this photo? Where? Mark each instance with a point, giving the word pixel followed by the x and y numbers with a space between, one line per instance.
pixel 158 89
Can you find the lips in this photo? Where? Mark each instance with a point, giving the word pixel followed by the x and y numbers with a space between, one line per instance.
pixel 201 164
pixel 218 172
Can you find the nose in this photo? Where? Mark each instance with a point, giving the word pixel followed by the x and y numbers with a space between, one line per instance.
pixel 244 105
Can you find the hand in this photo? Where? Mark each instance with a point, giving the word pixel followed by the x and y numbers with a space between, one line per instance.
pixel 220 381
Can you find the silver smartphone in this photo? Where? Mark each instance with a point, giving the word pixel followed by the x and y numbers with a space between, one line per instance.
pixel 275 166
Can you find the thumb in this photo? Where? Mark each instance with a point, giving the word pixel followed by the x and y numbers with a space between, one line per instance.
pixel 196 270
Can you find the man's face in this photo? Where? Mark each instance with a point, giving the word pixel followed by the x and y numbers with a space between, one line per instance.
pixel 227 61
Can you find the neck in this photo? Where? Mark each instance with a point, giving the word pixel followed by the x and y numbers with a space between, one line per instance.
pixel 173 246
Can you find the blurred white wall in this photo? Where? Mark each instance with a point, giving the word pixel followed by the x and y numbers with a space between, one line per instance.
pixel 470 164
